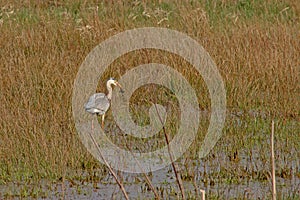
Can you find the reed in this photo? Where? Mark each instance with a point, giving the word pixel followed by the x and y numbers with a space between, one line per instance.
pixel 177 174
pixel 273 163
pixel 120 184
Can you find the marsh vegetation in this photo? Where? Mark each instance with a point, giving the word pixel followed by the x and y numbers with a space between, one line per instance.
pixel 255 44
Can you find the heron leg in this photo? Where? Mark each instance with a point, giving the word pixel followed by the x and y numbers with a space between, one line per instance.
pixel 103 116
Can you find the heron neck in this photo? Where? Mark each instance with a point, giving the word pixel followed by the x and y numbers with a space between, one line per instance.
pixel 109 89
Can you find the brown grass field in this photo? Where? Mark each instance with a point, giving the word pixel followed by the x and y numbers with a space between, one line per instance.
pixel 255 44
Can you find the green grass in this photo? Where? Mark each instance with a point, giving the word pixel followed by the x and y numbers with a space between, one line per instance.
pixel 228 13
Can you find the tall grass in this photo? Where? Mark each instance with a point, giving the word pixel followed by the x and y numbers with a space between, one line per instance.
pixel 255 44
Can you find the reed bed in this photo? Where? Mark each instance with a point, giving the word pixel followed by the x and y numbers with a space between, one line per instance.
pixel 255 44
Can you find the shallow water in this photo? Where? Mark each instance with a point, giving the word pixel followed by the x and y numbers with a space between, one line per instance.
pixel 164 180
pixel 222 174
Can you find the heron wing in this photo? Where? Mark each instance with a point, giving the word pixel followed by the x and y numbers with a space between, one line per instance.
pixel 97 103
pixel 101 102
pixel 91 102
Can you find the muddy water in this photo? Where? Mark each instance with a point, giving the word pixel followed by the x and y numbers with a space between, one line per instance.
pixel 164 180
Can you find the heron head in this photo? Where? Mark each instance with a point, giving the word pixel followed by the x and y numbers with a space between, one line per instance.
pixel 112 81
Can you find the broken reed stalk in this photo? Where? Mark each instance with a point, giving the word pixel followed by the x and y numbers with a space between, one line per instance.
pixel 273 163
pixel 108 165
pixel 63 188
pixel 203 194
pixel 178 178
pixel 146 176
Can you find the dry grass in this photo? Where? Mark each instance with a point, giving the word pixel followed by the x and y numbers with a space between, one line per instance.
pixel 43 45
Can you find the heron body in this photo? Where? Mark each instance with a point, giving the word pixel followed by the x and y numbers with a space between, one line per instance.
pixel 99 103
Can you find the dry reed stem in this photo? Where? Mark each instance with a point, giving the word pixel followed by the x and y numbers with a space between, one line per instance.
pixel 202 194
pixel 177 175
pixel 196 187
pixel 108 165
pixel 273 163
pixel 145 175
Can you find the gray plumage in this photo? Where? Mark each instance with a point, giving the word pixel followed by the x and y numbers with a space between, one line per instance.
pixel 97 104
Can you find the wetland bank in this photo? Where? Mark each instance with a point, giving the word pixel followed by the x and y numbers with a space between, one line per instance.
pixel 255 45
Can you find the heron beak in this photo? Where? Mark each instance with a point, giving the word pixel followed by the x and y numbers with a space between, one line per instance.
pixel 121 89
pixel 118 84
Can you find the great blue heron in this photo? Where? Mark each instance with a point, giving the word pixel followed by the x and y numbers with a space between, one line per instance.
pixel 99 103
